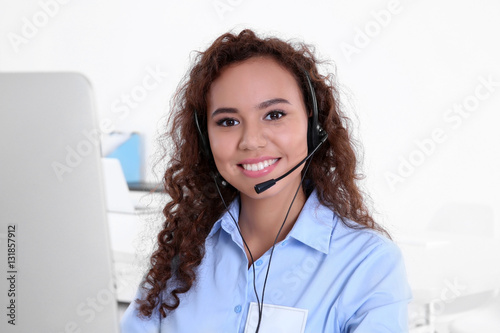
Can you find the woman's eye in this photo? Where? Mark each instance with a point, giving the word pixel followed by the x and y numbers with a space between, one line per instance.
pixel 274 115
pixel 227 122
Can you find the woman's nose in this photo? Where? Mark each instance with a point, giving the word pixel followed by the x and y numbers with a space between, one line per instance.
pixel 253 137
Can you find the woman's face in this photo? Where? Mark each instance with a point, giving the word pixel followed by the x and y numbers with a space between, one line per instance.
pixel 257 125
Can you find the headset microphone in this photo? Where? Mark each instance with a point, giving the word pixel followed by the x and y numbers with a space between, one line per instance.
pixel 261 187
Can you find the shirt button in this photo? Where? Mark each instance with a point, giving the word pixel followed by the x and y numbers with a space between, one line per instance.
pixel 258 262
pixel 284 243
pixel 237 308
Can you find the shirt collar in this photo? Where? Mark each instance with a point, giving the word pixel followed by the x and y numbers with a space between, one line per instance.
pixel 226 221
pixel 314 226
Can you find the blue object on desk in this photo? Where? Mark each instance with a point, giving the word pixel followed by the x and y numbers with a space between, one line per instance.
pixel 130 158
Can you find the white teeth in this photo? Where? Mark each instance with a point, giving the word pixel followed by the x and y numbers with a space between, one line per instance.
pixel 259 166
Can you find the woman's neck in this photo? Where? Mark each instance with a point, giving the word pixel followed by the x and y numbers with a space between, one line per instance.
pixel 261 219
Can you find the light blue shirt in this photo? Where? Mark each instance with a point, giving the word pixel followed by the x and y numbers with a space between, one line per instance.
pixel 349 280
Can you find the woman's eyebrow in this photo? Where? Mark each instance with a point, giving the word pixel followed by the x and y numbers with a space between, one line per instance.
pixel 270 102
pixel 224 110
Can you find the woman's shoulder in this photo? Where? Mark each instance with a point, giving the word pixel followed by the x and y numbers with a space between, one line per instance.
pixel 350 232
pixel 343 231
pixel 341 240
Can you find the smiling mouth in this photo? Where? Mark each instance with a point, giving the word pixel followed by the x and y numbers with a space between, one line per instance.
pixel 259 166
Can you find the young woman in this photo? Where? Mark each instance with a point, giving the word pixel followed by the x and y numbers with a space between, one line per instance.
pixel 302 255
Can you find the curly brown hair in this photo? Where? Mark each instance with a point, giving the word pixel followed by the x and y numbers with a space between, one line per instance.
pixel 195 203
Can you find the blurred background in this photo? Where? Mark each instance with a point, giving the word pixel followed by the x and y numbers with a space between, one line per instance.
pixel 419 79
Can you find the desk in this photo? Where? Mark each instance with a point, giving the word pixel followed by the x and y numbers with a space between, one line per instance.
pixel 449 273
pixel 133 237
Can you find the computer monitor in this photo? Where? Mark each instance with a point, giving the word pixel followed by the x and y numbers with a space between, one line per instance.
pixel 55 256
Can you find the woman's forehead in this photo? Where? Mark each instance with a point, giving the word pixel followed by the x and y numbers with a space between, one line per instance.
pixel 254 81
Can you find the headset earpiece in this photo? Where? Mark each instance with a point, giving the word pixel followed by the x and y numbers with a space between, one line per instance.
pixel 206 152
pixel 203 142
pixel 315 133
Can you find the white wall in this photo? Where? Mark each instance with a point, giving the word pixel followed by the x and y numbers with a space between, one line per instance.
pixel 400 83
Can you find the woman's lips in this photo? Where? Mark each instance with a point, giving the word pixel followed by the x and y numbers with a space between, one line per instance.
pixel 258 168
